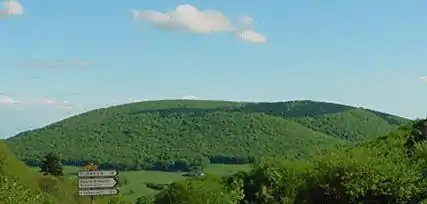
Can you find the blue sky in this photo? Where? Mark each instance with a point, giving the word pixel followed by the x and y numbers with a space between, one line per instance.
pixel 60 58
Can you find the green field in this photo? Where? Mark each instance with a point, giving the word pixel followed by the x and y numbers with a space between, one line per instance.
pixel 134 186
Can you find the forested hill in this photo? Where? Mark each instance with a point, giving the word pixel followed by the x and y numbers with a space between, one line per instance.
pixel 388 169
pixel 175 134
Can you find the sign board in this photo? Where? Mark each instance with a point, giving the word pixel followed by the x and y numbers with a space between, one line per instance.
pixel 97 183
pixel 93 182
pixel 98 192
pixel 105 173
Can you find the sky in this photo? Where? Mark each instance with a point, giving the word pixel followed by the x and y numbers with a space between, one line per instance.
pixel 61 58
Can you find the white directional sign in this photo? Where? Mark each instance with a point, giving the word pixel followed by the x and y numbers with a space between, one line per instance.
pixel 98 192
pixel 97 183
pixel 105 173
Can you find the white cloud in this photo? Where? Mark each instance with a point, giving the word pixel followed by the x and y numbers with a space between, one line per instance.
pixel 4 99
pixel 189 97
pixel 251 36
pixel 247 20
pixel 133 100
pixel 11 8
pixel 188 18
pixel 47 102
pixel 57 103
pixel 424 78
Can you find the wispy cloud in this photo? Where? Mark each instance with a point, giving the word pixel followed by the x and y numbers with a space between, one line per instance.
pixel 5 99
pixel 251 36
pixel 33 102
pixel 48 102
pixel 188 18
pixel 11 8
pixel 134 100
pixel 189 97
pixel 424 78
pixel 39 63
pixel 57 103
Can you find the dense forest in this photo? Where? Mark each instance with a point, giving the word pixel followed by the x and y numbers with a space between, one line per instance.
pixel 387 170
pixel 178 135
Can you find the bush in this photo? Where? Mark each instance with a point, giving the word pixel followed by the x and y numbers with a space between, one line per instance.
pixel 155 186
pixel 51 165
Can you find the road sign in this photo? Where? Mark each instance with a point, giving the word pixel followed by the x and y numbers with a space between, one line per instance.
pixel 93 182
pixel 105 173
pixel 97 183
pixel 98 192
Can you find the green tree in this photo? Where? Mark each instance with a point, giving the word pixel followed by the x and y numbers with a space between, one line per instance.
pixel 51 165
pixel 208 190
pixel 175 135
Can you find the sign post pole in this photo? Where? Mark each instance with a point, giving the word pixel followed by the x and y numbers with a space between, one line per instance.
pixel 93 182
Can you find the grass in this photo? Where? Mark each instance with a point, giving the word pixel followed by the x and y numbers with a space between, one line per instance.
pixel 19 184
pixel 134 185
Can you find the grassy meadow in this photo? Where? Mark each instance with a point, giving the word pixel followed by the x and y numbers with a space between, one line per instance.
pixel 133 182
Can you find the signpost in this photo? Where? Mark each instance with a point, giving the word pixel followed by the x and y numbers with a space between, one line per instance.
pixel 98 192
pixel 97 183
pixel 96 173
pixel 93 182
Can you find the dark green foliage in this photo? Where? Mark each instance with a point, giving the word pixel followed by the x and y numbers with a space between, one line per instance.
pixel 195 191
pixel 51 165
pixel 418 135
pixel 155 186
pixel 180 135
pixel 352 125
pixel 194 173
pixel 376 172
pixel 187 135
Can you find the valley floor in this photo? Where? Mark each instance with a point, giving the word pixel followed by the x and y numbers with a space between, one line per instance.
pixel 133 182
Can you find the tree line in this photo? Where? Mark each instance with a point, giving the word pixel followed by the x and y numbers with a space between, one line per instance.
pixel 180 165
pixel 172 135
pixel 389 170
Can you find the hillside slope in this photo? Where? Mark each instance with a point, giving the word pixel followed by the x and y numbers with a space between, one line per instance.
pixel 388 169
pixel 18 184
pixel 351 125
pixel 175 134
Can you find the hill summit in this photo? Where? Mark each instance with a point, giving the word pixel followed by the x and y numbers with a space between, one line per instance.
pixel 178 134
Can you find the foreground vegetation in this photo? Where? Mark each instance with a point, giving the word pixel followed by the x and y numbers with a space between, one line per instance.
pixel 366 169
pixel 134 184
pixel 18 184
pixel 390 169
pixel 181 135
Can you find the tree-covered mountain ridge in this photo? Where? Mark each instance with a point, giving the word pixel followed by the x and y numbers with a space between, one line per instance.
pixel 177 134
pixel 388 169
